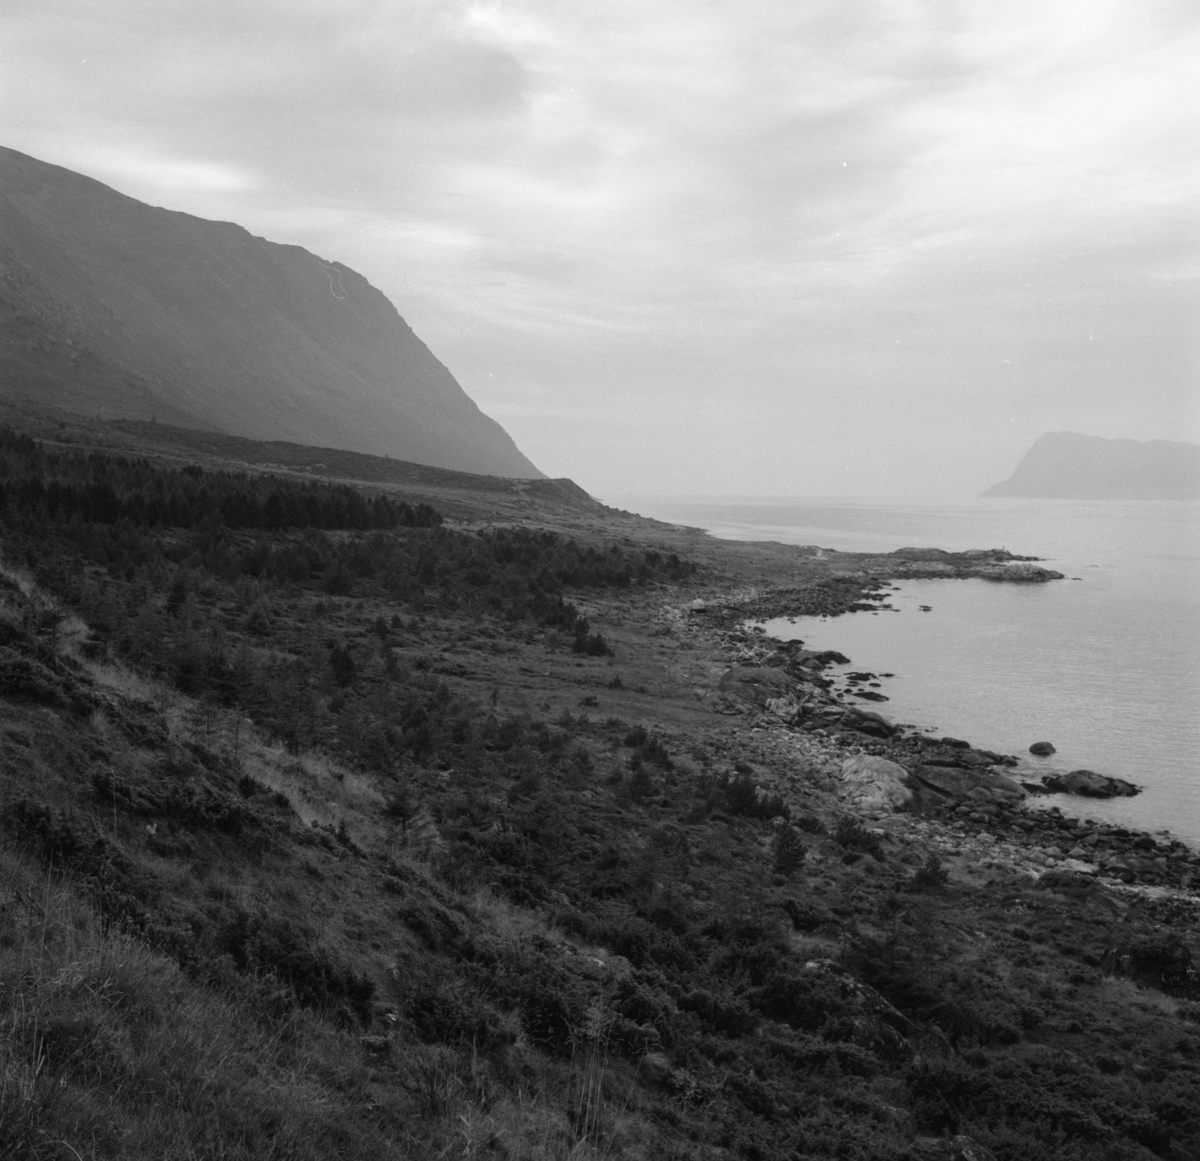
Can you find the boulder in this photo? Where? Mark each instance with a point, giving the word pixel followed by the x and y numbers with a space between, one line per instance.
pixel 1090 784
pixel 874 785
pixel 1042 749
pixel 654 1068
pixel 868 722
pixel 947 782
pixel 1066 882
pixel 873 1023
pixel 757 684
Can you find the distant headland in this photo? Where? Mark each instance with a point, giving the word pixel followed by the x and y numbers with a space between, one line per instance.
pixel 1063 465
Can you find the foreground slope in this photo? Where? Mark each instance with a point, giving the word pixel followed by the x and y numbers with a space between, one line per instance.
pixel 1062 465
pixel 329 828
pixel 111 306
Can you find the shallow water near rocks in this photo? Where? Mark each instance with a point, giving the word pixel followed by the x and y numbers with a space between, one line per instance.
pixel 1106 666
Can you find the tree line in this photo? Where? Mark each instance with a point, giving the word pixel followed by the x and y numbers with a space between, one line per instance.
pixel 61 485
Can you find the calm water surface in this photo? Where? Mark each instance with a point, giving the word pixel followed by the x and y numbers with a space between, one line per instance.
pixel 1106 665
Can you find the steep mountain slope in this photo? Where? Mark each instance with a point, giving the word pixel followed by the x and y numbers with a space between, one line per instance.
pixel 1062 465
pixel 111 306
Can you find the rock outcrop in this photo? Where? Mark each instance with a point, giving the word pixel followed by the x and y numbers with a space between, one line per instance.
pixel 874 785
pixel 1089 784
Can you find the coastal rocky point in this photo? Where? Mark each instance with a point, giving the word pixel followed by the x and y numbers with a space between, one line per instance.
pixel 953 788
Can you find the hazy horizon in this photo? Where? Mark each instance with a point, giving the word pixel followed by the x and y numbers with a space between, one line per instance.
pixel 826 248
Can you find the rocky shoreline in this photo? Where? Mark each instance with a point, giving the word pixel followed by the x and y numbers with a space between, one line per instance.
pixel 946 792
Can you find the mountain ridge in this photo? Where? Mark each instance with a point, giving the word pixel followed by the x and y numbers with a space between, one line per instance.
pixel 112 306
pixel 1063 465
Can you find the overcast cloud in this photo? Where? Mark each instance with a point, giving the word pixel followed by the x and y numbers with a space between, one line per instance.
pixel 816 246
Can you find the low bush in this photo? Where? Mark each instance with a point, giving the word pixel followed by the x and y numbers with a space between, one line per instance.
pixel 853 836
pixel 787 851
pixel 742 797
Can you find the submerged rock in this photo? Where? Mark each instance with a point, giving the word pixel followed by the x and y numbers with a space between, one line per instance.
pixel 1042 749
pixel 1090 784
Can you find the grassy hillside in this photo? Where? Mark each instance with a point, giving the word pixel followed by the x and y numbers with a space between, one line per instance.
pixel 334 829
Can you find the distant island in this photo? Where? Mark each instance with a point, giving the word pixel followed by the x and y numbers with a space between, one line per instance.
pixel 1063 465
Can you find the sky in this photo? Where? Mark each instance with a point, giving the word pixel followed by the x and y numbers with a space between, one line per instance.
pixel 682 247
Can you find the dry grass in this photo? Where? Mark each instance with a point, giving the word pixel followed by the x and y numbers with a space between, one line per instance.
pixel 125 683
pixel 109 1050
pixel 509 921
pixel 1126 994
pixel 320 789
pixel 810 947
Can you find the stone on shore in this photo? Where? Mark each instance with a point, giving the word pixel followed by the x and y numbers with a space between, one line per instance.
pixel 981 786
pixel 1089 784
pixel 874 785
pixel 867 722
pixel 1042 749
pixel 756 684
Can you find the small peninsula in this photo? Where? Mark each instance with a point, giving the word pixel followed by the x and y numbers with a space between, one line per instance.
pixel 1063 465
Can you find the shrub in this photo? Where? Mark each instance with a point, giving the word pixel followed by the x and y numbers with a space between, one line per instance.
pixel 641 785
pixel 638 736
pixel 810 824
pixel 591 644
pixel 787 851
pixel 930 876
pixel 341 662
pixel 851 834
pixel 742 797
pixel 261 944
pixel 654 752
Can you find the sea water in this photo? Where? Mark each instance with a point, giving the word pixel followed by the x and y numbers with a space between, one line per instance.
pixel 1105 665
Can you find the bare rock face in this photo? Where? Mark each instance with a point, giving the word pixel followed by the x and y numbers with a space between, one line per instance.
pixel 874 785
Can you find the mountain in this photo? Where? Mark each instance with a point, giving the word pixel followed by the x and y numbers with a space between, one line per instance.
pixel 1062 465
pixel 110 306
